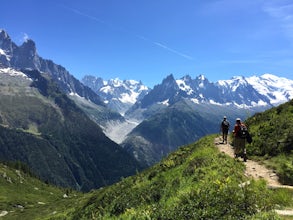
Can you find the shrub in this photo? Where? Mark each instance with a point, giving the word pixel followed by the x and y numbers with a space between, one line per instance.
pixel 221 199
pixel 286 173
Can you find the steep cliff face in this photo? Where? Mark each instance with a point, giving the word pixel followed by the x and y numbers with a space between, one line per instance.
pixel 26 57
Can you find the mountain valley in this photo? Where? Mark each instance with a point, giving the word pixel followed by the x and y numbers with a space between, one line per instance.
pixel 147 123
pixel 43 128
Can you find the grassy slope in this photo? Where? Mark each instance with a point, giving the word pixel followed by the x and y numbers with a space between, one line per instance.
pixel 195 182
pixel 272 133
pixel 25 197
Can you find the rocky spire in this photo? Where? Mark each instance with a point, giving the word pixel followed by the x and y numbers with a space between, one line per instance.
pixel 26 56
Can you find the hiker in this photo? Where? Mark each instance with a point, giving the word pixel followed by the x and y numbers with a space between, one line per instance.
pixel 225 125
pixel 240 135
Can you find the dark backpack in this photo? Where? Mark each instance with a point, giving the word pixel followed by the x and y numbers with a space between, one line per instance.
pixel 243 132
pixel 249 138
pixel 225 124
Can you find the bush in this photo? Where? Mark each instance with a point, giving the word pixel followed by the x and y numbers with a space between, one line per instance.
pixel 221 199
pixel 286 173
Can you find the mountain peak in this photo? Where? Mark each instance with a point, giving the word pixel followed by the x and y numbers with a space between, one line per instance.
pixel 269 76
pixel 6 48
pixel 3 34
pixel 201 77
pixel 115 82
pixel 25 56
pixel 170 82
pixel 239 78
pixel 30 46
pixel 186 78
pixel 5 41
pixel 169 78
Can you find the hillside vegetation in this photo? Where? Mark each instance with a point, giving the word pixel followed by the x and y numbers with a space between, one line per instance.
pixel 272 133
pixel 195 182
pixel 23 196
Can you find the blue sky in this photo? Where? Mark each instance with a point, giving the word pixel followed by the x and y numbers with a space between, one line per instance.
pixel 149 39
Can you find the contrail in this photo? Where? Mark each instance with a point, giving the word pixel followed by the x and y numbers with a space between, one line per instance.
pixel 160 45
pixel 84 15
pixel 163 46
pixel 173 51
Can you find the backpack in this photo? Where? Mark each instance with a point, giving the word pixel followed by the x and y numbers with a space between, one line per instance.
pixel 225 125
pixel 242 132
pixel 249 138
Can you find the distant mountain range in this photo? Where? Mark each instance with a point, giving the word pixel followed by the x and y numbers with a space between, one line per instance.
pixel 245 92
pixel 239 92
pixel 151 122
pixel 117 94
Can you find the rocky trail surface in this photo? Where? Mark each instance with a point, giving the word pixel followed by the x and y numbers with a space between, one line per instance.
pixel 256 171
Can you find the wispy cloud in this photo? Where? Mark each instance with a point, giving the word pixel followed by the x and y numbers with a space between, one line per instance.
pixel 282 11
pixel 24 37
pixel 160 45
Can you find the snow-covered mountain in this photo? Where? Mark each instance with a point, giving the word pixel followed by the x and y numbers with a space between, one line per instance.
pixel 118 94
pixel 265 90
pixel 129 96
pixel 276 89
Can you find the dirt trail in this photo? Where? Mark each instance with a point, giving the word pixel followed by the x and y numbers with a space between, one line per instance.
pixel 253 169
pixel 257 171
